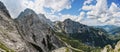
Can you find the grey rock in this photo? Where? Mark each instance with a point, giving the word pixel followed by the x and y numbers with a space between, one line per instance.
pixel 9 35
pixel 27 33
pixel 35 29
pixel 74 27
pixel 87 34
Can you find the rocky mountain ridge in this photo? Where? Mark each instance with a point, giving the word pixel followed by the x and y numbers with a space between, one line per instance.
pixel 32 32
pixel 36 31
pixel 87 34
pixel 26 33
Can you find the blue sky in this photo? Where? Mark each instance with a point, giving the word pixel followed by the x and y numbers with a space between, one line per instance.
pixel 76 6
pixel 89 12
pixel 75 9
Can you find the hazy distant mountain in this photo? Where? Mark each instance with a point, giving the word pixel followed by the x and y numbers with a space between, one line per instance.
pixel 111 29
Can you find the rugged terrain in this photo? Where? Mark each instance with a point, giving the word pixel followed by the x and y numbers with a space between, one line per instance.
pixel 89 35
pixel 27 33
pixel 31 32
pixel 83 37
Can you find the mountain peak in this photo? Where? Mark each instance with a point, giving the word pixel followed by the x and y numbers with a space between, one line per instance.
pixel 27 12
pixel 36 30
pixel 67 20
pixel 4 10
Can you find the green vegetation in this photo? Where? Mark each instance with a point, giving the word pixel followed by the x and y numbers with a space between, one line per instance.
pixel 114 37
pixel 6 49
pixel 77 44
pixel 67 50
pixel 119 49
pixel 2 46
pixel 109 48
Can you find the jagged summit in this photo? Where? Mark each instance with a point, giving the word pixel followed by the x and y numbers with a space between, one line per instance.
pixel 10 39
pixel 29 14
pixel 68 19
pixel 4 10
pixel 26 33
pixel 26 12
pixel 71 21
pixel 32 32
pixel 36 30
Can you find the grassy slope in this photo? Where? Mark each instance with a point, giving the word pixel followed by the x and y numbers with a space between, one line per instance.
pixel 76 45
pixel 5 48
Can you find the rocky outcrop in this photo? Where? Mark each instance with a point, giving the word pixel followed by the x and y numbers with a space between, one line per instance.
pixel 31 32
pixel 71 27
pixel 108 48
pixel 88 35
pixel 10 39
pixel 27 33
pixel 36 31
pixel 4 10
pixel 117 47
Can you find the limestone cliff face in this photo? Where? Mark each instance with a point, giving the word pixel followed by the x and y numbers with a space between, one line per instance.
pixel 9 37
pixel 74 27
pixel 27 33
pixel 36 31
pixel 117 47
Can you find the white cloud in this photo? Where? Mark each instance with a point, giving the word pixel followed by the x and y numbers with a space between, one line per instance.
pixel 52 17
pixel 16 6
pixel 98 13
pixel 86 7
pixel 117 15
pixel 102 13
pixel 72 17
pixel 37 5
pixel 80 17
pixel 58 5
pixel 92 22
pixel 111 22
pixel 114 8
pixel 87 2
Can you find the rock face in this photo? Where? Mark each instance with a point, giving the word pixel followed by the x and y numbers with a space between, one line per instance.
pixel 9 36
pixel 74 27
pixel 4 10
pixel 36 31
pixel 117 47
pixel 31 32
pixel 27 33
pixel 108 48
pixel 88 35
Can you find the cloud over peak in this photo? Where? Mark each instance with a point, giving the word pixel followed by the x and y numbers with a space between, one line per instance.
pixel 16 6
pixel 97 13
